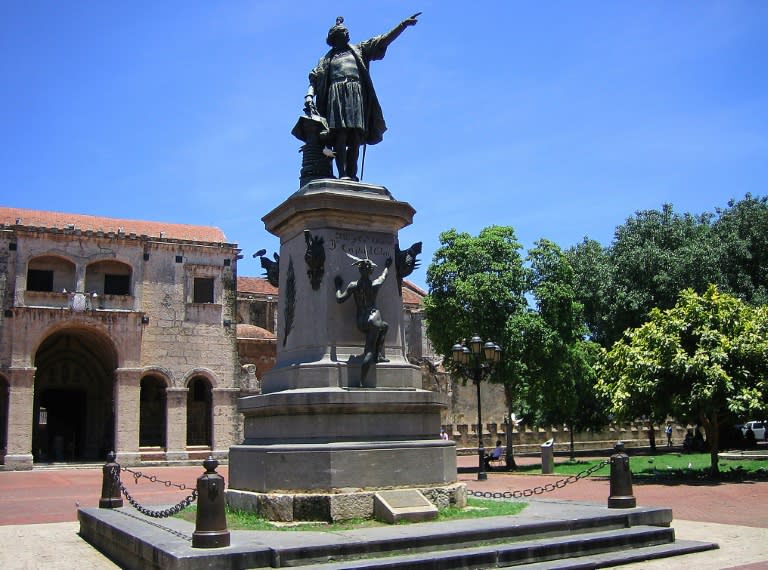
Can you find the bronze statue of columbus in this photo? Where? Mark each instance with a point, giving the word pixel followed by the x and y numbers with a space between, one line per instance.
pixel 341 91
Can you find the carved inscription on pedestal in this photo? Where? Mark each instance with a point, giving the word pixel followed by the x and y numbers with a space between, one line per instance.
pixel 360 243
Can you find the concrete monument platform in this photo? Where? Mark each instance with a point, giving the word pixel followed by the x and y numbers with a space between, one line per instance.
pixel 547 534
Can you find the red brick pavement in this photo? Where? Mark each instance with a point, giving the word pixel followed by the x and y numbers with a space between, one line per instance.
pixel 725 503
pixel 41 496
pixel 46 496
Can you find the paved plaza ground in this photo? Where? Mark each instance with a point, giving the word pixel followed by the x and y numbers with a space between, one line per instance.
pixel 38 512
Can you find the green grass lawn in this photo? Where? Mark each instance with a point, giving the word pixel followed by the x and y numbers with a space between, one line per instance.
pixel 655 465
pixel 476 508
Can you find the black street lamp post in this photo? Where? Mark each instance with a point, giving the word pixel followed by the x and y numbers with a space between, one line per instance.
pixel 477 363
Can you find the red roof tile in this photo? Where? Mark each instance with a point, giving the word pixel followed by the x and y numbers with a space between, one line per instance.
pixel 252 331
pixel 412 295
pixel 414 288
pixel 255 285
pixel 83 222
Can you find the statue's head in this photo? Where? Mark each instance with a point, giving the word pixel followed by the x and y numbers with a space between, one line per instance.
pixel 364 264
pixel 365 267
pixel 338 35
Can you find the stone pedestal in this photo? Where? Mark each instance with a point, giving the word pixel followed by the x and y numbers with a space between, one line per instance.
pixel 318 344
pixel 317 426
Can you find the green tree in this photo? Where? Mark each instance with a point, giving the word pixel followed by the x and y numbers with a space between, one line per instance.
pixel 476 285
pixel 656 254
pixel 704 360
pixel 593 285
pixel 740 233
pixel 559 358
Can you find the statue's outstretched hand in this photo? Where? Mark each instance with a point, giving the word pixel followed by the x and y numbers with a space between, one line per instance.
pixel 338 281
pixel 388 262
pixel 412 21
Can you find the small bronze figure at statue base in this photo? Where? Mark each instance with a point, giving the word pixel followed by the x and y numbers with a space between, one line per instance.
pixel 369 319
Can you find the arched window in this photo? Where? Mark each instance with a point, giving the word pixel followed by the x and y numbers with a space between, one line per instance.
pixel 152 430
pixel 199 412
pixel 49 274
pixel 108 278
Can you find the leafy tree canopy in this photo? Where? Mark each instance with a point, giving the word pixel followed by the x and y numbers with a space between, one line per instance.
pixel 479 284
pixel 475 285
pixel 741 235
pixel 704 360
pixel 656 254
pixel 559 358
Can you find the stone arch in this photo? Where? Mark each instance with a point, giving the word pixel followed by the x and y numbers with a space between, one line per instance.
pixel 4 394
pixel 94 331
pixel 73 413
pixel 205 373
pixel 160 371
pixel 153 423
pixel 51 273
pixel 109 277
pixel 199 411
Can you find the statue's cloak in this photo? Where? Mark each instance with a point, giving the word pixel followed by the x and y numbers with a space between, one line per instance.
pixel 364 53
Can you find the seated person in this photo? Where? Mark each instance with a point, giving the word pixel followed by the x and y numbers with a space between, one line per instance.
pixel 495 455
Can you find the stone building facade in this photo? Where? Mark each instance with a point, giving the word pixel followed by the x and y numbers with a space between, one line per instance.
pixel 115 334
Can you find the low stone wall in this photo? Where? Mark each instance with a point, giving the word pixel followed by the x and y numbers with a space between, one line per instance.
pixel 332 507
pixel 529 439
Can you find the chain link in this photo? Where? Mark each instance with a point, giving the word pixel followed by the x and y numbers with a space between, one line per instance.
pixel 157 525
pixel 153 478
pixel 540 489
pixel 159 514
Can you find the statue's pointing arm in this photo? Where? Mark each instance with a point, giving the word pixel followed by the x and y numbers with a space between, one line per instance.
pixel 393 34
pixel 376 48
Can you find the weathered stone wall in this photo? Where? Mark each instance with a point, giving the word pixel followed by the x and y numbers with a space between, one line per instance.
pixel 258 352
pixel 7 285
pixel 156 328
pixel 528 439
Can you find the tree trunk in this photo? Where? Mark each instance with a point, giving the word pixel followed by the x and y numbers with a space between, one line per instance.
pixel 711 428
pixel 573 447
pixel 652 436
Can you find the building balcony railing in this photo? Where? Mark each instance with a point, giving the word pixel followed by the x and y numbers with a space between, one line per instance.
pixel 77 301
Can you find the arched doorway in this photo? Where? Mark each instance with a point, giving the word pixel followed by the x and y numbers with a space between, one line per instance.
pixel 3 418
pixel 73 401
pixel 152 423
pixel 199 412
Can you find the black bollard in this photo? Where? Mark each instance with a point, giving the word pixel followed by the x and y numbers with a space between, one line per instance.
pixel 211 523
pixel 621 496
pixel 110 489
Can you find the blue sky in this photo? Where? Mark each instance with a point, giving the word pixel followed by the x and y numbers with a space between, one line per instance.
pixel 558 118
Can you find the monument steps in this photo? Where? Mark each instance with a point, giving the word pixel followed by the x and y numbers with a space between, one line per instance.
pixel 548 534
pixel 590 549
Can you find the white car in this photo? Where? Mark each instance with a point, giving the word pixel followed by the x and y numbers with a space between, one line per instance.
pixel 758 428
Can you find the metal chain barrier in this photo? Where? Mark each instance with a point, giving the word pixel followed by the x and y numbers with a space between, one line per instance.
pixel 164 513
pixel 158 525
pixel 541 489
